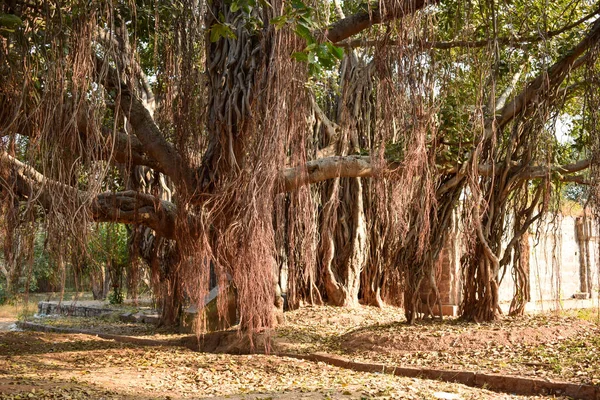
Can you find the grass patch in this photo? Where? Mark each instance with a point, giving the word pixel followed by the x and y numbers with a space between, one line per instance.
pixel 573 358
pixel 589 314
pixel 17 309
pixel 585 314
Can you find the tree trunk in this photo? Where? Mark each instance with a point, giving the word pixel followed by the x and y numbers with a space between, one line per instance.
pixel 480 300
pixel 171 300
pixel 522 293
pixel 100 282
pixel 160 254
pixel 166 281
pixel 344 235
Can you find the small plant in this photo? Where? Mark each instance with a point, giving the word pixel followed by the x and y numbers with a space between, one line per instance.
pixel 589 314
pixel 3 294
pixel 116 296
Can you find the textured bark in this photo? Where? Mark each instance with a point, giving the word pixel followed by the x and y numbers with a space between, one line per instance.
pixel 327 168
pixel 358 22
pixel 345 251
pixel 150 136
pixel 521 273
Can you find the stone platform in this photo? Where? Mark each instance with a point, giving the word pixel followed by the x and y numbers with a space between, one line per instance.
pixel 75 309
pixel 97 308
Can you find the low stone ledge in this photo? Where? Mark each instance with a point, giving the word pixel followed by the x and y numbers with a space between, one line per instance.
pixel 73 310
pixel 496 382
pixel 30 326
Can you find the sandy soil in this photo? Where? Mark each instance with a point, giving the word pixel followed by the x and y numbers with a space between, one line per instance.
pixel 70 366
pixel 44 365
pixel 6 323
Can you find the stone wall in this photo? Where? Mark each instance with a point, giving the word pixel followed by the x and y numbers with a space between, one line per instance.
pixel 556 256
pixel 71 310
pixel 562 268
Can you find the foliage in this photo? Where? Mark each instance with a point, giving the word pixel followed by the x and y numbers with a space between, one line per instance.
pixel 108 246
pixel 3 295
pixel 116 296
pixel 108 243
pixel 318 56
pixel 9 23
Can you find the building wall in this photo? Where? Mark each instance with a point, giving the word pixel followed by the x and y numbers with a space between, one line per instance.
pixel 554 265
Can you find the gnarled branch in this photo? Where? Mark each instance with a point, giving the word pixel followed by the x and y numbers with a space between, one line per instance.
pixel 548 80
pixel 125 207
pixel 358 22
pixel 146 130
pixel 323 169
pixel 357 166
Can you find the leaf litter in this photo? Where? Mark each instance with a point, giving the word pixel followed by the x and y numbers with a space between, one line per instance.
pixel 74 366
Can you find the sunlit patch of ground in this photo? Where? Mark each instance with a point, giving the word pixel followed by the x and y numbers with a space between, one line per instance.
pixel 45 365
pixel 562 346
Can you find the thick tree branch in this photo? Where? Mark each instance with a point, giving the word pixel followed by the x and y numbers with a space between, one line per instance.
pixel 126 60
pixel 333 129
pixel 132 207
pixel 548 80
pixel 125 207
pixel 146 130
pixel 504 41
pixel 501 101
pixel 357 166
pixel 357 23
pixel 542 87
pixel 543 172
pixel 115 146
pixel 127 150
pixel 323 169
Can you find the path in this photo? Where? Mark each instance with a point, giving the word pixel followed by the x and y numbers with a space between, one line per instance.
pixel 6 323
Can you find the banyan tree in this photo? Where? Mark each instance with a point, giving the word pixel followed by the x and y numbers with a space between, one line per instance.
pixel 328 147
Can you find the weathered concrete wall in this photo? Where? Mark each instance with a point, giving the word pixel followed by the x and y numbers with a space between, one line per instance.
pixel 557 267
pixel 72 310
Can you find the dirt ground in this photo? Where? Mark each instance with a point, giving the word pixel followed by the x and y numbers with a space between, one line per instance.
pixel 47 365
pixel 563 346
pixel 74 366
pixel 6 323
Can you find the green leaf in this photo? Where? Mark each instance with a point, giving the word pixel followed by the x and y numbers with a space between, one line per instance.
pixel 304 33
pixel 218 31
pixel 299 5
pixel 338 52
pixel 279 22
pixel 10 21
pixel 300 56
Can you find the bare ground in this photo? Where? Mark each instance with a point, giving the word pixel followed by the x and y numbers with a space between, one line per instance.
pixel 46 365
pixel 561 346
pixel 6 323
